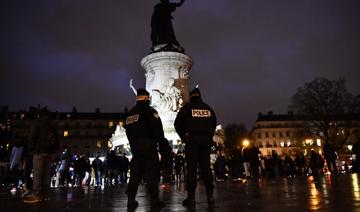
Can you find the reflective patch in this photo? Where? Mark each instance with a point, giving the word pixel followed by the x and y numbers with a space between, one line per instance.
pixel 200 113
pixel 156 115
pixel 132 119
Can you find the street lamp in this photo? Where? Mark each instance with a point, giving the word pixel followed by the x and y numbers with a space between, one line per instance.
pixel 245 143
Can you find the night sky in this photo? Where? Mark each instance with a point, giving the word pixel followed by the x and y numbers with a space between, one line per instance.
pixel 250 55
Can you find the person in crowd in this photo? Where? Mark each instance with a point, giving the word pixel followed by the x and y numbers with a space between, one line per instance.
pixel 145 133
pixel 28 167
pixel 275 163
pixel 330 157
pixel 219 167
pixel 167 167
pixel 356 151
pixel 195 124
pixel 178 166
pixel 97 165
pixel 314 165
pixel 64 168
pixel 289 165
pixel 123 168
pixel 246 157
pixel 112 168
pixel 16 164
pixel 300 164
pixel 254 162
pixel 236 163
pixel 43 143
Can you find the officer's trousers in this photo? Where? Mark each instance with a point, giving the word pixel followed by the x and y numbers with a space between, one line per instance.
pixel 197 154
pixel 144 165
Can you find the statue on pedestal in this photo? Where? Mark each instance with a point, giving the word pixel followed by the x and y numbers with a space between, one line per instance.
pixel 162 31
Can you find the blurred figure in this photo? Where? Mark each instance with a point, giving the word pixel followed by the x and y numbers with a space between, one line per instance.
pixel 330 157
pixel 219 167
pixel 246 158
pixel 43 143
pixel 300 164
pixel 178 165
pixel 16 162
pixel 275 163
pixel 123 168
pixel 254 162
pixel 314 165
pixel 112 168
pixel 64 168
pixel 97 165
pixel 356 151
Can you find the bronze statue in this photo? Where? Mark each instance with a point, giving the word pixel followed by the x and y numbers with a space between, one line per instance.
pixel 162 31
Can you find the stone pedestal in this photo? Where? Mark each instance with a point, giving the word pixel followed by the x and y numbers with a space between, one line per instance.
pixel 167 75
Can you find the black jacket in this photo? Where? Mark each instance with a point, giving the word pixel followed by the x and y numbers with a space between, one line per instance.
pixel 143 123
pixel 195 119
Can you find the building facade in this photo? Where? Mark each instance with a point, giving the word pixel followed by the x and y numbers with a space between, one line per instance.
pixel 277 133
pixel 82 133
pixel 284 134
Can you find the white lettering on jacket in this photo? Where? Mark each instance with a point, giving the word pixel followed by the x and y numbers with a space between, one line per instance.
pixel 132 119
pixel 200 113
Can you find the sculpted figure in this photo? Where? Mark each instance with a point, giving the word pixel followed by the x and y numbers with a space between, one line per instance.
pixel 162 31
pixel 170 100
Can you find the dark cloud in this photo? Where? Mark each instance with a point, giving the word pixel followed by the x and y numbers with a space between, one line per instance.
pixel 249 55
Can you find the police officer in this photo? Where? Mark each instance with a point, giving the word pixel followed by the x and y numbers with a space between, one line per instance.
pixel 195 123
pixel 145 132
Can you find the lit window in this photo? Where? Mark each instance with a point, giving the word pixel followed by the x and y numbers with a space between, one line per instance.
pixel 318 142
pixel 98 144
pixel 66 133
pixel 111 124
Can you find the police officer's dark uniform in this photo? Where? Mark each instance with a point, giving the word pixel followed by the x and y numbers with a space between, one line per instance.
pixel 144 131
pixel 195 123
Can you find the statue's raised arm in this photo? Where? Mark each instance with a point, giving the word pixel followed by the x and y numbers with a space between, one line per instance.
pixel 132 87
pixel 180 3
pixel 162 32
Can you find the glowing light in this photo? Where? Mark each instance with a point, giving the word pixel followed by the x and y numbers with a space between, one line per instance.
pixel 318 142
pixel 245 143
pixel 66 133
pixel 349 147
pixel 111 124
pixel 309 141
pixel 282 144
pixel 288 143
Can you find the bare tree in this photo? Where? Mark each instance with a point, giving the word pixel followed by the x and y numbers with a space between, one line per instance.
pixel 328 109
pixel 234 134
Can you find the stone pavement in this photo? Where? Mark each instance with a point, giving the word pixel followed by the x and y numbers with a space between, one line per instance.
pixel 332 193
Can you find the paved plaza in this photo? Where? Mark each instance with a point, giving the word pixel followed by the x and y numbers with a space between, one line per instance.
pixel 332 193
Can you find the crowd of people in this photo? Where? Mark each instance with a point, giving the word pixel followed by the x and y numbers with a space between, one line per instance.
pixel 33 168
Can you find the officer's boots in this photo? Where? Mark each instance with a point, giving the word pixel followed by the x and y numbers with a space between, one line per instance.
pixel 132 203
pixel 190 200
pixel 210 196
